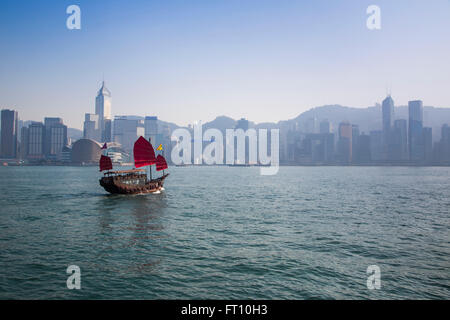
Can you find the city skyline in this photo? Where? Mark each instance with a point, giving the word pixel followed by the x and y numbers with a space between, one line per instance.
pixel 190 62
pixel 400 141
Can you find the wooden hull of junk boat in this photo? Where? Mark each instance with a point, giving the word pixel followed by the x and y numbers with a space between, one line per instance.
pixel 117 185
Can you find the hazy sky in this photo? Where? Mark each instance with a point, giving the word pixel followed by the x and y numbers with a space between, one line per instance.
pixel 195 59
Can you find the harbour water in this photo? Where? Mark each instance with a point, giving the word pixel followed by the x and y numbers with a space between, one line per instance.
pixel 227 233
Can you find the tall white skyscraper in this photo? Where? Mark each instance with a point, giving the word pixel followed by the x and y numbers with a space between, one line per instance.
pixel 103 110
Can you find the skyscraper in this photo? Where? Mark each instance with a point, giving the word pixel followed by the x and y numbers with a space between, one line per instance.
pixel 24 143
pixel 91 128
pixel 345 142
pixel 444 144
pixel 387 107
pixel 103 110
pixel 361 154
pixel 49 123
pixel 127 129
pixel 325 126
pixel 151 128
pixel 388 114
pixel 8 134
pixel 428 144
pixel 400 140
pixel 355 138
pixel 415 127
pixel 57 139
pixel 376 146
pixel 36 135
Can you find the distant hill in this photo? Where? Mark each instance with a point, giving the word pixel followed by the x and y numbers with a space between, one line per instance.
pixel 368 119
pixel 222 123
pixel 162 124
pixel 74 134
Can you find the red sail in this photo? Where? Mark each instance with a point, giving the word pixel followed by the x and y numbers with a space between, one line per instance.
pixel 161 163
pixel 143 152
pixel 105 163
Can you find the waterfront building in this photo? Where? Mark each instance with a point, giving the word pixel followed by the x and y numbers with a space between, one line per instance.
pixel 345 142
pixel 9 134
pixel 319 147
pixel 376 146
pixel 428 144
pixel 55 138
pixel 24 133
pixel 355 138
pixel 361 154
pixel 151 128
pixel 325 126
pixel 91 128
pixel 127 129
pixel 398 150
pixel 387 107
pixel 86 151
pixel 66 155
pixel 443 148
pixel 310 125
pixel 415 134
pixel 58 140
pixel 36 141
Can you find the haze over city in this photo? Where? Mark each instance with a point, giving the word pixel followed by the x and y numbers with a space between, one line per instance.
pixel 190 61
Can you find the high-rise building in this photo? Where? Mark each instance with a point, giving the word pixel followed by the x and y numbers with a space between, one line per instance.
pixel 310 125
pixel 376 146
pixel 355 138
pixel 151 128
pixel 444 145
pixel 103 110
pixel 387 107
pixel 127 129
pixel 36 138
pixel 325 126
pixel 91 128
pixel 107 137
pixel 57 139
pixel 415 127
pixel 9 133
pixel 399 150
pixel 345 142
pixel 388 114
pixel 319 147
pixel 428 144
pixel 49 123
pixel 24 143
pixel 361 154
